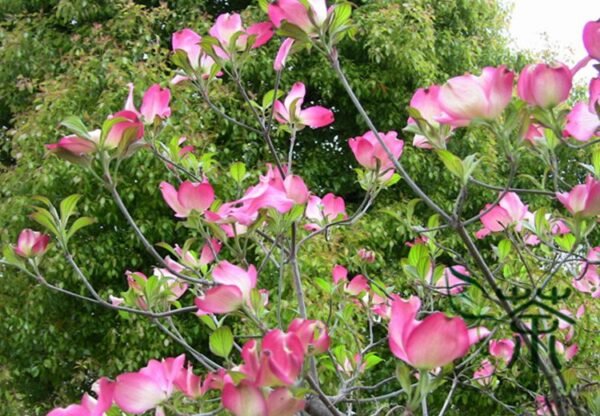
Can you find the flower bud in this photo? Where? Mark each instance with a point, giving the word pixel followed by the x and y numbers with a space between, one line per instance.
pixel 543 85
pixel 591 39
pixel 31 243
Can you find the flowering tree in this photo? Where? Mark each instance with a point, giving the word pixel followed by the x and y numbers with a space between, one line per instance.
pixel 506 298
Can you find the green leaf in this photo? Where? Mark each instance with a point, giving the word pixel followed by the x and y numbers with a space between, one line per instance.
pixel 264 5
pixel 67 207
pixel 565 241
pixel 403 376
pixel 43 217
pixel 292 31
pixel 79 224
pixel 206 320
pixel 75 125
pixel 596 161
pixel 268 98
pixel 42 199
pixel 180 59
pixel 325 285
pixel 393 180
pixel 371 360
pixel 452 163
pixel 221 342
pixel 237 171
pixel 10 257
pixel 416 253
pixel 341 15
pixel 504 248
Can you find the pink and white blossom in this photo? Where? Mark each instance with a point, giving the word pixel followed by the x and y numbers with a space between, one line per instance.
pixel 372 155
pixel 433 342
pixel 509 211
pixel 233 289
pixel 583 123
pixel 31 243
pixel 308 16
pixel 468 97
pixel 591 39
pixel 290 110
pixel 191 196
pixel 583 199
pixel 545 85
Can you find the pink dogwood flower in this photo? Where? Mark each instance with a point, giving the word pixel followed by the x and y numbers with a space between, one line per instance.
pixel 450 283
pixel 308 16
pixel 583 199
pixel 75 149
pixel 282 54
pixel 154 104
pixel 31 243
pixel 503 349
pixel 245 399
pixel 371 154
pixel 591 39
pixel 467 97
pixel 126 130
pixel 312 334
pixel 545 85
pixel 189 41
pixel 433 342
pixel 233 289
pixel 323 211
pixel 207 254
pixel 426 100
pixel 90 406
pixel 189 383
pixel 589 279
pixel 483 375
pixel 277 361
pixel 568 352
pixel 145 389
pixel 281 402
pixel 594 94
pixel 368 256
pixel 227 26
pixel 544 406
pixel 510 210
pixel 290 112
pixel 583 123
pixel 191 196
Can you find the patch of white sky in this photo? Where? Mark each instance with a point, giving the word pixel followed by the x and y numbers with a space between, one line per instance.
pixel 553 29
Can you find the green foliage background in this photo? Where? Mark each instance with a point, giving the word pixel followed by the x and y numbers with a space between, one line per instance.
pixel 67 57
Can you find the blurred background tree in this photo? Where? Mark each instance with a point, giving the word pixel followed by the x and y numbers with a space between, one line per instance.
pixel 67 57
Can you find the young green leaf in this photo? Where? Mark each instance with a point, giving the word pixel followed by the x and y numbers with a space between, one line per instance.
pixel 237 171
pixel 221 342
pixel 76 126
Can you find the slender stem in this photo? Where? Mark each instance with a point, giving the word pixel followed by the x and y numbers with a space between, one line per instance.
pixel 142 238
pixel 399 168
pixel 291 152
pixel 99 300
pixel 265 129
pixel 213 107
pixel 323 397
pixel 293 259
pixel 168 161
pixel 449 397
pixel 424 405
pixel 516 190
pixel 362 210
pixel 201 358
